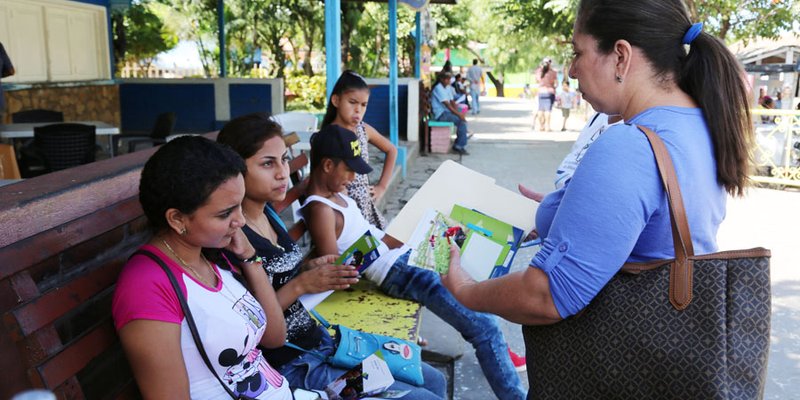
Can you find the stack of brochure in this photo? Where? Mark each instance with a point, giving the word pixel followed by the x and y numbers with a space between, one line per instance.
pixel 487 245
pixel 360 254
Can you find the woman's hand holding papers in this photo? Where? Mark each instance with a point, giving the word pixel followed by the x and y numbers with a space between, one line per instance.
pixel 322 275
pixel 456 278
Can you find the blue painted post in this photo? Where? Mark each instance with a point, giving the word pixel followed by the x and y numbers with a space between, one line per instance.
pixel 393 126
pixel 223 59
pixel 393 109
pixel 333 43
pixel 418 45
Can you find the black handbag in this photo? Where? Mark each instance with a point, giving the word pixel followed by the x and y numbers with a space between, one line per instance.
pixel 190 321
pixel 694 327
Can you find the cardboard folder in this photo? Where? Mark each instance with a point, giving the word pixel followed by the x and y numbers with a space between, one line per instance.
pixel 452 184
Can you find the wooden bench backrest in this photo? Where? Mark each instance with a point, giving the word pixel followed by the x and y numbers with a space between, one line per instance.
pixel 65 238
pixel 297 192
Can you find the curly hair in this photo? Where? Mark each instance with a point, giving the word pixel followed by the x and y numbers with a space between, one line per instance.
pixel 182 174
pixel 247 134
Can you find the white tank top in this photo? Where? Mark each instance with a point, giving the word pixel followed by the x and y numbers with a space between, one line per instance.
pixel 355 225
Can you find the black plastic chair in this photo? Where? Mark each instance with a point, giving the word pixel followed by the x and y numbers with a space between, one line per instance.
pixel 30 162
pixel 37 115
pixel 163 126
pixel 63 146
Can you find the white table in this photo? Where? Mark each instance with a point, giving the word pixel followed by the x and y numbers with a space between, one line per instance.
pixel 25 130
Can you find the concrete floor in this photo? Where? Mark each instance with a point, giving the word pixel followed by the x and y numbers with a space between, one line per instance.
pixel 505 147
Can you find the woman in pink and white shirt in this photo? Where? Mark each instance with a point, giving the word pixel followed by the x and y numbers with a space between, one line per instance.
pixel 191 192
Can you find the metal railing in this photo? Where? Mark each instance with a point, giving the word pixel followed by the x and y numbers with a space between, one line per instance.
pixel 777 149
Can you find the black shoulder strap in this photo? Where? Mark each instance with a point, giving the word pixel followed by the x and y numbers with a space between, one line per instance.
pixel 189 319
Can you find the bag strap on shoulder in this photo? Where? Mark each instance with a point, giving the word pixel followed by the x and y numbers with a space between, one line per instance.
pixel 681 271
pixel 275 216
pixel 189 318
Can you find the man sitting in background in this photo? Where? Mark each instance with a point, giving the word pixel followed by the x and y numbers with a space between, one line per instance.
pixel 445 110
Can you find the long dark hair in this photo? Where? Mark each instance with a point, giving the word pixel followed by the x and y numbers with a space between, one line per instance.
pixel 246 134
pixel 709 73
pixel 347 82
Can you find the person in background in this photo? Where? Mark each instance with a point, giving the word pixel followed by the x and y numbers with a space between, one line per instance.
pixel 258 140
pixel 474 75
pixel 768 104
pixel 6 70
pixel 191 191
pixel 444 109
pixel 546 77
pixel 630 60
pixel 550 202
pixel 460 87
pixel 347 108
pixel 568 101
pixel 335 224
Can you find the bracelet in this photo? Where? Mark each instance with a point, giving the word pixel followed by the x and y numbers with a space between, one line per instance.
pixel 255 258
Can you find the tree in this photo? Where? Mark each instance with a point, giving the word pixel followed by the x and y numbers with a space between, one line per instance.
pixel 734 20
pixel 196 21
pixel 143 37
pixel 275 26
pixel 309 17
pixel 729 20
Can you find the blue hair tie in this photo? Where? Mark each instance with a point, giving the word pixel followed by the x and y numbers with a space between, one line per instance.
pixel 692 33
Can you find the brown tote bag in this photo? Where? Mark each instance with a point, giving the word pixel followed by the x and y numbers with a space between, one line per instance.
pixel 694 327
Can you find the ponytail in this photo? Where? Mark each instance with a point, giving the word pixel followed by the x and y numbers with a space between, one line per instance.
pixel 711 75
pixel 347 82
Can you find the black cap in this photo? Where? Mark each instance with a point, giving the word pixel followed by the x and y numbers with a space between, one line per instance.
pixel 336 142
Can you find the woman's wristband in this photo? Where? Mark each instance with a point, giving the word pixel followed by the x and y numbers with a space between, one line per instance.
pixel 254 259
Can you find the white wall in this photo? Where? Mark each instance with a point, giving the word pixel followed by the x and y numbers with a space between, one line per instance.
pixel 55 40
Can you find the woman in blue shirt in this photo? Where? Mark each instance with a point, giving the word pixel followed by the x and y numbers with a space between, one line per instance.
pixel 630 59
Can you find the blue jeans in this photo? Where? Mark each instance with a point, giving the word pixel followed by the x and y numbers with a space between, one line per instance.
pixel 476 104
pixel 461 128
pixel 481 330
pixel 310 372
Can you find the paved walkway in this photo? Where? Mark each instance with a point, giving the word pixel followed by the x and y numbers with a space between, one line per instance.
pixel 505 147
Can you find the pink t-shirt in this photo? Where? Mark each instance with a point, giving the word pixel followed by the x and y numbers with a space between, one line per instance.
pixel 229 319
pixel 548 81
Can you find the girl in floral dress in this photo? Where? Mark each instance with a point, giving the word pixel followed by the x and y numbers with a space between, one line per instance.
pixel 346 108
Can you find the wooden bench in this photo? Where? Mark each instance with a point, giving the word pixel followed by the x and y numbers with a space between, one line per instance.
pixel 64 237
pixel 362 306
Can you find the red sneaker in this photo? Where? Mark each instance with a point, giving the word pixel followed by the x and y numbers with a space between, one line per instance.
pixel 519 361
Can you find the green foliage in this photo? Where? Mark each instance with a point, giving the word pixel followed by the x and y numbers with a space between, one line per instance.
pixel 309 92
pixel 365 46
pixel 733 20
pixel 537 17
pixel 193 20
pixel 512 35
pixel 455 24
pixel 145 35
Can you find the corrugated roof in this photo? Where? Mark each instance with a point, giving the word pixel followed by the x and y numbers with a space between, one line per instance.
pixel 762 48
